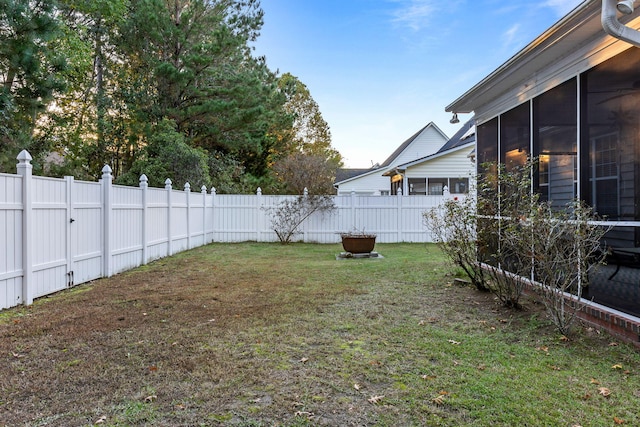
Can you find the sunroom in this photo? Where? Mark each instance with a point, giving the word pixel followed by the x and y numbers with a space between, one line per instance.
pixel 571 99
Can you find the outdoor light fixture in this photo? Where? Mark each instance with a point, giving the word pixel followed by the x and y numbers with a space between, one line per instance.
pixel 454 119
pixel 625 6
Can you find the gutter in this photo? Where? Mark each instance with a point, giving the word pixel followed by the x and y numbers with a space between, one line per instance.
pixel 615 28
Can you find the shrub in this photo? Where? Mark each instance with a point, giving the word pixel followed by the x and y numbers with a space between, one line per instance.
pixel 287 217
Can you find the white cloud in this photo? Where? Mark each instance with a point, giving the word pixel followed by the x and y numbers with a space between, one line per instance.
pixel 510 36
pixel 415 14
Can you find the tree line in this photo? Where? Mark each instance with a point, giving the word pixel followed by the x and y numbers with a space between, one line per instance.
pixel 168 88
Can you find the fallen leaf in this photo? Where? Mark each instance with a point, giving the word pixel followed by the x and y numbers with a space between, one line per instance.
pixel 586 396
pixel 181 406
pixel 357 386
pixel 304 359
pixel 150 399
pixel 564 338
pixel 617 366
pixel 482 367
pixel 594 381
pixel 454 342
pixel 304 414
pixel 443 393
pixel 375 399
pixel 428 377
pixel 17 355
pixel 604 391
pixel 618 420
pixel 613 344
pixel 439 400
pixel 101 420
pixel 543 348
pixel 153 368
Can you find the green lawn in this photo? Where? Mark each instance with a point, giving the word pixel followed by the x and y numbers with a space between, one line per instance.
pixel 262 334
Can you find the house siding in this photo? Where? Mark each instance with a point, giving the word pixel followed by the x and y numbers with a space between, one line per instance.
pixel 427 143
pixel 371 184
pixel 453 165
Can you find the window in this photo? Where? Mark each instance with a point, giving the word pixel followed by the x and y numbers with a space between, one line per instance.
pixel 436 186
pixel 555 142
pixel 611 137
pixel 514 136
pixel 603 173
pixel 417 186
pixel 458 185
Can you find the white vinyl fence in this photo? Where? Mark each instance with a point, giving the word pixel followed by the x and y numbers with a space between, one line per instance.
pixel 57 233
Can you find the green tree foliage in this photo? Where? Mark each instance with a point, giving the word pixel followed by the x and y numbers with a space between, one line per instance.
pixel 131 65
pixel 307 160
pixel 30 73
pixel 204 77
pixel 169 156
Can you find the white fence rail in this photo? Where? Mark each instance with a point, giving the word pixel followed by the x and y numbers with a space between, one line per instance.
pixel 56 233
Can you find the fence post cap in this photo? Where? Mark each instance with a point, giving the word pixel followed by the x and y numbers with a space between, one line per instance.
pixel 187 186
pixel 259 191
pixel 203 188
pixel 143 178
pixel 106 170
pixel 213 190
pixel 167 181
pixel 24 157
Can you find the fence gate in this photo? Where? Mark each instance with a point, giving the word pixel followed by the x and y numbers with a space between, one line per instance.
pixel 85 233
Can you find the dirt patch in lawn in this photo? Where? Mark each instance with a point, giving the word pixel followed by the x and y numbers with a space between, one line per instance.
pixel 231 335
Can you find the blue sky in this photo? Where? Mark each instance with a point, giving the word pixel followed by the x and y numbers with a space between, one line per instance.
pixel 380 70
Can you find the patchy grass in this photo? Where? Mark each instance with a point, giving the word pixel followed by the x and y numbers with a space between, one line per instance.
pixel 262 334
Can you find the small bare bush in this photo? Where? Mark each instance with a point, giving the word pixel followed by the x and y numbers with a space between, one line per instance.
pixel 564 247
pixel 288 216
pixel 453 227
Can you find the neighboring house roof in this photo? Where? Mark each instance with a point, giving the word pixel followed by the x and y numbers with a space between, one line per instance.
pixel 465 135
pixel 408 142
pixel 343 174
pixel 464 138
pixel 346 175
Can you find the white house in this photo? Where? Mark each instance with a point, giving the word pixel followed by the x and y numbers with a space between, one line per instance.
pixel 426 141
pixel 451 166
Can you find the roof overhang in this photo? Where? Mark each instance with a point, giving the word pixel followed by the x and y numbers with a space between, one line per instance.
pixel 576 29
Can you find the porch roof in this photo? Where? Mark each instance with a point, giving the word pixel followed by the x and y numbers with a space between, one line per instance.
pixel 580 25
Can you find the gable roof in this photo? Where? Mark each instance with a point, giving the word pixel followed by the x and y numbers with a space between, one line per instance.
pixel 346 175
pixel 408 142
pixel 464 138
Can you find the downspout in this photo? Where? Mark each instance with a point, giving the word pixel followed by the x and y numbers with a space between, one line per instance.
pixel 613 27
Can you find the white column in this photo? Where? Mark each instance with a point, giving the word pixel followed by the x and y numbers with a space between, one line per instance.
pixel 187 190
pixel 144 186
pixel 203 191
pixel 107 179
pixel 167 186
pixel 258 213
pixel 25 169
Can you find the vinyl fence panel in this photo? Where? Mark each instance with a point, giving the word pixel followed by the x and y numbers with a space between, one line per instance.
pixel 10 240
pixel 56 233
